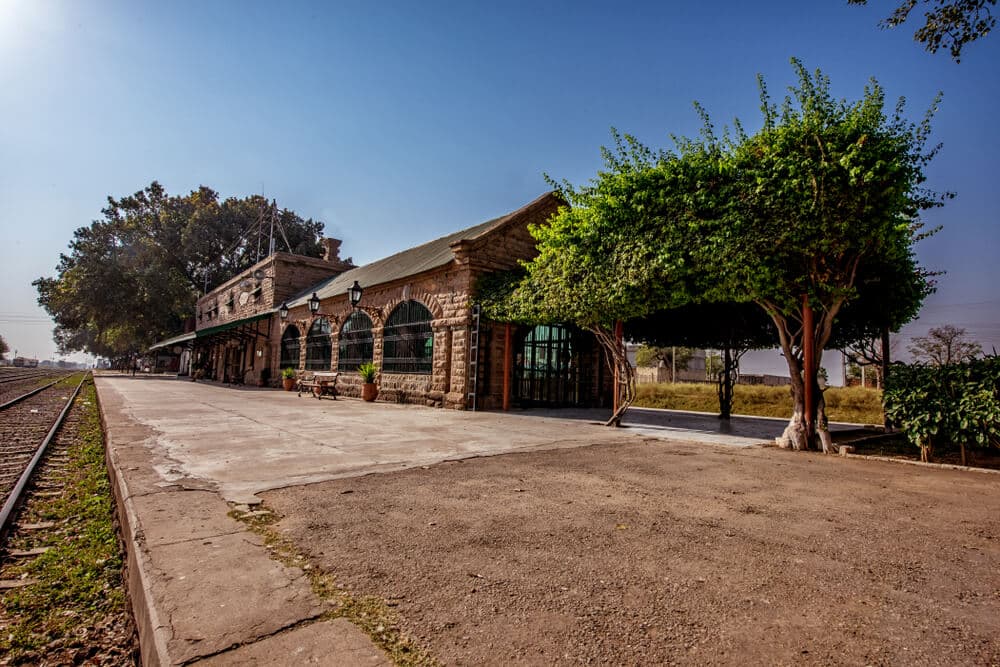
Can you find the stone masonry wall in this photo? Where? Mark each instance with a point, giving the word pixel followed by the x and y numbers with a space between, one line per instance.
pixel 445 292
pixel 286 275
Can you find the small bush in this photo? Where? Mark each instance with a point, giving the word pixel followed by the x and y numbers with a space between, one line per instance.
pixel 951 404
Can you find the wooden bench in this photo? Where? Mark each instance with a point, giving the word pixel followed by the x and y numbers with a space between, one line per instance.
pixel 319 383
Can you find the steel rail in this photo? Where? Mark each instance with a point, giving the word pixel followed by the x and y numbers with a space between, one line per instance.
pixel 13 401
pixel 21 378
pixel 15 494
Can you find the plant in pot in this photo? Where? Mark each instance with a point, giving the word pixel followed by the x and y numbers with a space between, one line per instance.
pixel 369 390
pixel 288 379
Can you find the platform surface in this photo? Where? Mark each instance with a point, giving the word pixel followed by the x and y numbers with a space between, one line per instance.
pixel 183 453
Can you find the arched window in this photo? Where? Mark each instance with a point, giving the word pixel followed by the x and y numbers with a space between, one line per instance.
pixel 290 347
pixel 408 342
pixel 318 348
pixel 356 342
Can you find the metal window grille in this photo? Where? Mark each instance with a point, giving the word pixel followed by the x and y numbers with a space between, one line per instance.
pixel 548 368
pixel 290 348
pixel 357 344
pixel 408 341
pixel 319 351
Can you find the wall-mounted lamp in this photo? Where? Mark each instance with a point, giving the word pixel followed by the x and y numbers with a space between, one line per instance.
pixel 283 311
pixel 354 293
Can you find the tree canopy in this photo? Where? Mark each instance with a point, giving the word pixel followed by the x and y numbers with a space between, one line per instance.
pixel 817 210
pixel 132 277
pixel 951 24
pixel 608 256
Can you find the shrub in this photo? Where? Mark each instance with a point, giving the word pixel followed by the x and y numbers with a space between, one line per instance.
pixel 953 404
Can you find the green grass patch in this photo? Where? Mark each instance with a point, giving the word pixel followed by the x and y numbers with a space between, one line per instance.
pixel 844 404
pixel 79 579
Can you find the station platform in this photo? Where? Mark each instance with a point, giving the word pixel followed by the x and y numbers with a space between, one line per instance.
pixel 182 455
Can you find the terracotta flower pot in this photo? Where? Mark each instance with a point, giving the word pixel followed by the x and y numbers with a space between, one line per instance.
pixel 369 391
pixel 288 383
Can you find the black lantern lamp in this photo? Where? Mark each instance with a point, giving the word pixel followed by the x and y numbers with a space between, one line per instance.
pixel 283 311
pixel 354 294
pixel 314 304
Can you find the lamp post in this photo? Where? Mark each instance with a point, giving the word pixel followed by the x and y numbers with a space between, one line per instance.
pixel 354 293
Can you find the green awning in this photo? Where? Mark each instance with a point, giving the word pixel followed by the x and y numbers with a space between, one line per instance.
pixel 183 338
pixel 210 331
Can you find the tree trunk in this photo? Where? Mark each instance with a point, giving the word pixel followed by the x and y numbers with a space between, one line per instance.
pixel 726 381
pixel 961 446
pixel 884 375
pixel 796 435
pixel 614 350
pixel 823 425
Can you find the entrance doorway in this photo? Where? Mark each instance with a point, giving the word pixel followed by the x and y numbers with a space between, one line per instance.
pixel 547 368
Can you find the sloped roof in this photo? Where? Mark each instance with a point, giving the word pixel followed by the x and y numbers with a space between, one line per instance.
pixel 430 255
pixel 183 338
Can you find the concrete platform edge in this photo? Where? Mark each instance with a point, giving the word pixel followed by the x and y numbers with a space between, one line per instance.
pixel 152 634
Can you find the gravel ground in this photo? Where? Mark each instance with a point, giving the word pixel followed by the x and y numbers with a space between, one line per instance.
pixel 658 553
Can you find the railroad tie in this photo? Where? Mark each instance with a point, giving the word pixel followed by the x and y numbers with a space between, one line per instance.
pixel 27 553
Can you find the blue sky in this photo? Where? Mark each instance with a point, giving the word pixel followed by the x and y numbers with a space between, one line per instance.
pixel 395 123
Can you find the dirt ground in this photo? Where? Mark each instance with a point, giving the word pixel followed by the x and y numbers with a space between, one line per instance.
pixel 660 552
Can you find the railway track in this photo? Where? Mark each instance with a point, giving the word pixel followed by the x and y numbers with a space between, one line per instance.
pixel 62 597
pixel 28 423
pixel 15 384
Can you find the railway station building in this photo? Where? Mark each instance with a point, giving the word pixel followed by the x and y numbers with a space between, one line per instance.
pixel 417 321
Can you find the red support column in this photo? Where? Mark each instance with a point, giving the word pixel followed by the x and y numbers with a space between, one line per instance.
pixel 809 366
pixel 619 334
pixel 508 362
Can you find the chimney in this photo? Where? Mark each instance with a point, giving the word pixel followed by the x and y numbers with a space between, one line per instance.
pixel 331 250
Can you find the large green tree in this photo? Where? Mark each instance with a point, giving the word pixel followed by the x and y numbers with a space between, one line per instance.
pixel 132 277
pixel 808 214
pixel 608 256
pixel 824 199
pixel 951 24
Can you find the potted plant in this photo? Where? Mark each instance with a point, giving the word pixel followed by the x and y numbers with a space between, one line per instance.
pixel 288 379
pixel 369 390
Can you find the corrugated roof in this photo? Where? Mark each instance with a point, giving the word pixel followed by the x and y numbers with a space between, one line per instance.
pixel 410 262
pixel 172 341
pixel 208 331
